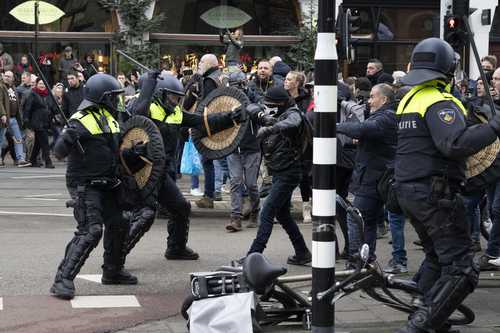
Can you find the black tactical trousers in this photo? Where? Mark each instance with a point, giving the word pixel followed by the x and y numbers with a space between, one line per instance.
pixel 170 198
pixel 447 274
pixel 95 208
pixel 178 208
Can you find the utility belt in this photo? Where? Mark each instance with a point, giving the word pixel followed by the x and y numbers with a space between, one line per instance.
pixel 105 183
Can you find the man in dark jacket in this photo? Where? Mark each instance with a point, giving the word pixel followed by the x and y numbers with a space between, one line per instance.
pixel 280 137
pixel 375 73
pixel 211 78
pixel 376 150
pixel 263 81
pixel 73 95
pixel 280 70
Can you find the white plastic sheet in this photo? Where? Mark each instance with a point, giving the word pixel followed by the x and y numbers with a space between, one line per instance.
pixel 227 314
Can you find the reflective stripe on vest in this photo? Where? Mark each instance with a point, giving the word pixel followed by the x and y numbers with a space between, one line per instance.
pixel 421 97
pixel 157 112
pixel 88 119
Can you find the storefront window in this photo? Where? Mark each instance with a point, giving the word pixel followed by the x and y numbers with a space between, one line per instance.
pixel 272 17
pixel 81 16
pixel 175 57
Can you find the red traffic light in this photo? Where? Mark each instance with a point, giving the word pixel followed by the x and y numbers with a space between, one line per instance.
pixel 453 22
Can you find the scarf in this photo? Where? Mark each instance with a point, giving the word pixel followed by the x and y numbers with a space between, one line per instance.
pixel 41 92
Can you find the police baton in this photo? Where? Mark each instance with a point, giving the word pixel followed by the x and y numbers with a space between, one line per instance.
pixel 53 98
pixel 470 37
pixel 135 62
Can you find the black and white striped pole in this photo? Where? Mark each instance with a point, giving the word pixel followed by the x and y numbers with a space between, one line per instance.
pixel 324 160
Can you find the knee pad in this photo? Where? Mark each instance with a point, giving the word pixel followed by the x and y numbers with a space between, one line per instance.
pixel 95 233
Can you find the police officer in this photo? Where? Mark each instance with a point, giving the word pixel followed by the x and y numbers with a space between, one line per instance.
pixel 159 100
pixel 281 137
pixel 93 181
pixel 433 143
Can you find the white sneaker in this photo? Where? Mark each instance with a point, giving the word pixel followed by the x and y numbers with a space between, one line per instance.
pixel 306 212
pixel 196 192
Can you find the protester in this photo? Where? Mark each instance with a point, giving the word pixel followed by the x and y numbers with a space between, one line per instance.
pixel 15 122
pixel 375 73
pixel 37 117
pixel 376 151
pixel 234 44
pixel 66 64
pixel 89 66
pixel 73 94
pixel 6 61
pixel 24 66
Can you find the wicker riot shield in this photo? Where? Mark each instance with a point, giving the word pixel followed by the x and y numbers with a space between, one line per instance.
pixel 141 129
pixel 221 144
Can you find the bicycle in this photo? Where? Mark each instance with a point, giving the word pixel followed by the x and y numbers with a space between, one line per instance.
pixel 277 302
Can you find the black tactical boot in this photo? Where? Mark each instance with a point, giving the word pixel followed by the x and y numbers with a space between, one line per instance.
pixel 185 253
pixel 63 288
pixel 117 276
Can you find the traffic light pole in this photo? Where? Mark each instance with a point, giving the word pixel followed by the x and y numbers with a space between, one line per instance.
pixel 324 160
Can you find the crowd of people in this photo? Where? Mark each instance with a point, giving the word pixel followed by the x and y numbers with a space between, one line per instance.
pixel 419 124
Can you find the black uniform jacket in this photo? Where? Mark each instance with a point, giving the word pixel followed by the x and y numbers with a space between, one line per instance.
pixel 438 143
pixel 377 137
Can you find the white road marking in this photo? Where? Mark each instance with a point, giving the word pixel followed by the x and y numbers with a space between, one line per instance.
pixel 41 199
pixel 44 195
pixel 114 301
pixel 90 277
pixel 35 177
pixel 4 212
pixel 1 303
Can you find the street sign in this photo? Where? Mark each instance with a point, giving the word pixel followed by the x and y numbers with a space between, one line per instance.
pixel 225 17
pixel 25 12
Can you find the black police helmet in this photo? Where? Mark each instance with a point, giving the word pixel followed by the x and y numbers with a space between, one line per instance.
pixel 276 96
pixel 166 85
pixel 431 59
pixel 101 90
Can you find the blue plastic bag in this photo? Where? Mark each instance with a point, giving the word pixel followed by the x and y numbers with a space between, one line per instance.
pixel 191 162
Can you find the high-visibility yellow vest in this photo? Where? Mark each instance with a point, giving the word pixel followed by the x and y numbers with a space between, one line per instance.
pixel 421 97
pixel 157 112
pixel 89 119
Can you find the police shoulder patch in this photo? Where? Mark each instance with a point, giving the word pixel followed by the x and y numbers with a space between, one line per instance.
pixel 447 116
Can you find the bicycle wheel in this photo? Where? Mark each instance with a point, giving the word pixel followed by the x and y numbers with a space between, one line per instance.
pixel 404 296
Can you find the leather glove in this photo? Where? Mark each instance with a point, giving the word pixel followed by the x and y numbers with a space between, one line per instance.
pixel 154 74
pixel 238 115
pixel 70 135
pixel 140 149
pixel 264 132
pixel 254 109
pixel 267 120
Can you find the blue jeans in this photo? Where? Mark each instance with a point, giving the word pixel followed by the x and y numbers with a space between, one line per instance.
pixel 473 214
pixel 208 170
pixel 397 225
pixel 372 211
pixel 221 173
pixel 2 136
pixel 493 248
pixel 277 204
pixel 18 139
pixel 195 181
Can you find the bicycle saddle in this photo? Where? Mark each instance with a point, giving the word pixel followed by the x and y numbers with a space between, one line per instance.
pixel 260 273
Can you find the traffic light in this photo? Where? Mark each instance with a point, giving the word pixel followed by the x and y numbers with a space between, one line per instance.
pixel 347 24
pixel 455 32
